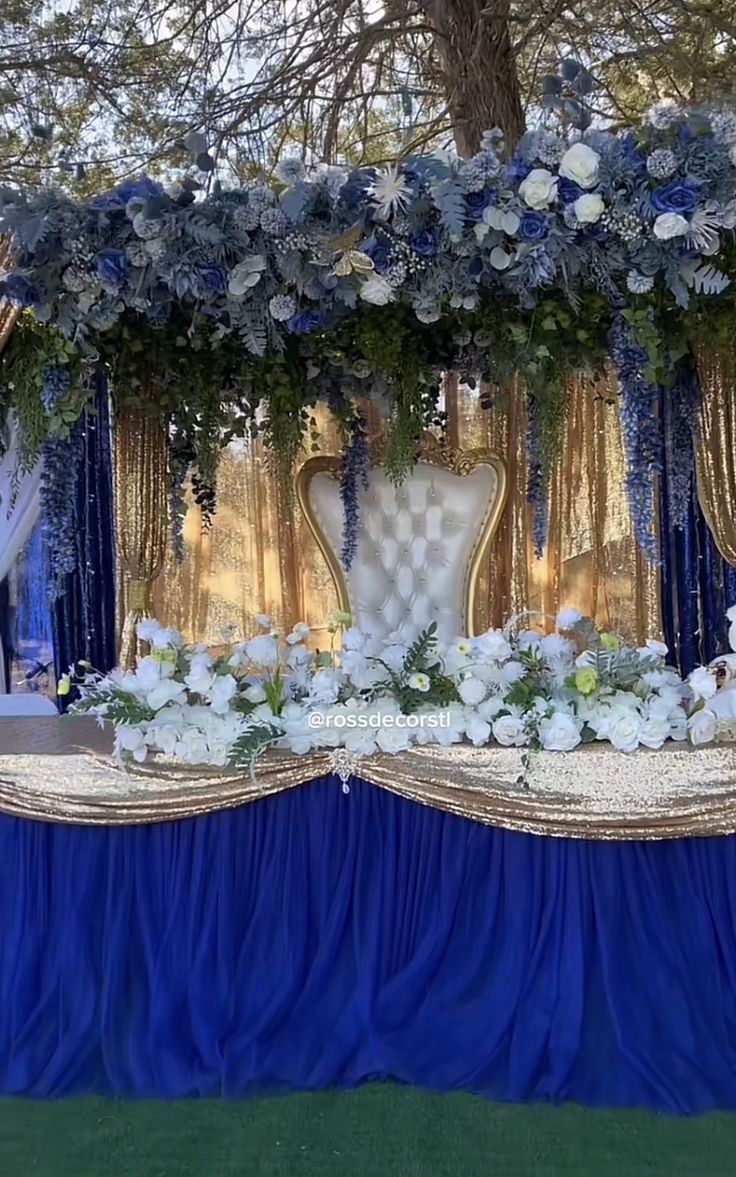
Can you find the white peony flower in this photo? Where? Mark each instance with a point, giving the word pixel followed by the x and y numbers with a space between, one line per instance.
pixel 493 645
pixel 393 739
pixel 149 673
pixel 255 693
pixel 299 633
pixel 478 731
pixel 353 639
pixel 654 731
pixel 221 693
pixel 394 655
pixel 325 686
pixel 580 164
pixel 589 208
pixel 165 692
pixel 166 639
pixel 377 291
pixel 419 682
pixel 560 733
pixel 192 747
pixel 568 618
pixel 723 704
pixel 490 707
pixel 510 731
pixel 263 650
pixel 702 683
pixel 539 189
pixel 131 739
pixel 624 730
pixel 472 691
pixel 669 225
pixel 660 649
pixel 199 679
pixel 164 736
pixel 678 726
pixel 147 629
pixel 702 727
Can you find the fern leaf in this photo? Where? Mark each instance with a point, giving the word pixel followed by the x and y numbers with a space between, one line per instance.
pixel 706 279
pixel 449 200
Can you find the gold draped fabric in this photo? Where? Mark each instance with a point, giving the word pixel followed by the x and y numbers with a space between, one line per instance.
pixel 62 772
pixel 141 481
pixel 256 558
pixel 716 454
pixel 8 313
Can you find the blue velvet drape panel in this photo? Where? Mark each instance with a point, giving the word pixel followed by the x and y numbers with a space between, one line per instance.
pixel 83 616
pixel 315 940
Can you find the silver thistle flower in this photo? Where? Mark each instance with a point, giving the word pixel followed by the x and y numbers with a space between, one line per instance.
pixel 664 114
pixel 662 164
pixel 723 126
pixel 639 283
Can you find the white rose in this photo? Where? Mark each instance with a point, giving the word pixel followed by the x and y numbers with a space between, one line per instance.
pixel 377 291
pixel 624 731
pixel 539 189
pixel 702 683
pixel 509 731
pixel 589 208
pixel 569 618
pixel 669 225
pixel 561 733
pixel 478 731
pixel 393 739
pixel 702 727
pixel 580 164
pixel 472 691
pixel 654 731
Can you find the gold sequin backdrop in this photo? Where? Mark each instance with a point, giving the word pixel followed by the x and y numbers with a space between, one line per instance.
pixel 259 557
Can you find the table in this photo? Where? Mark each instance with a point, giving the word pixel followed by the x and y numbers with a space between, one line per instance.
pixel 315 939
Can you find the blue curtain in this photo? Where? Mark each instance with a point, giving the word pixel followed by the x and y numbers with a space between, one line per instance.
pixel 84 615
pixel 316 940
pixel 698 585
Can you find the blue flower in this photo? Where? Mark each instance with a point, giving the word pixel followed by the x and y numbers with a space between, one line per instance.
pixel 425 244
pixel 534 226
pixel 212 277
pixel 142 188
pixel 568 191
pixel 20 291
pixel 112 266
pixel 379 254
pixel 677 197
pixel 305 323
pixel 477 202
pixel 518 169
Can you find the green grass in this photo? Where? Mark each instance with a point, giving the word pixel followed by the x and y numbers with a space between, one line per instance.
pixel 382 1131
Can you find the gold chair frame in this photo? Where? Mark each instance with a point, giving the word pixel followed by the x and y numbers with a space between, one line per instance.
pixel 433 452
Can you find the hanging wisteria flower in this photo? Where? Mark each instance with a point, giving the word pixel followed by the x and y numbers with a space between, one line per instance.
pixel 56 383
pixel 353 479
pixel 290 170
pixel 282 307
pixel 389 191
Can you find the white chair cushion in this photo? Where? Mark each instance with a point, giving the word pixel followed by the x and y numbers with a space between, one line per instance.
pixel 415 546
pixel 30 704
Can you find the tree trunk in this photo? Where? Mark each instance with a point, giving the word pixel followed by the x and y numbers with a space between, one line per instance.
pixel 477 59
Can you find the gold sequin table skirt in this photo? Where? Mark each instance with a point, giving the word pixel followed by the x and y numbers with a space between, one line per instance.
pixel 60 771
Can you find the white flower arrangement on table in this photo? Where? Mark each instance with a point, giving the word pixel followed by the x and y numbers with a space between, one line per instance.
pixel 515 688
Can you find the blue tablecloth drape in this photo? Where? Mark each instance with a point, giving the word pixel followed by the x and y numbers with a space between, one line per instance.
pixel 318 939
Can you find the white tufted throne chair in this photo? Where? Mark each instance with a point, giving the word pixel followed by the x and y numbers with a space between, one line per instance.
pixel 420 545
